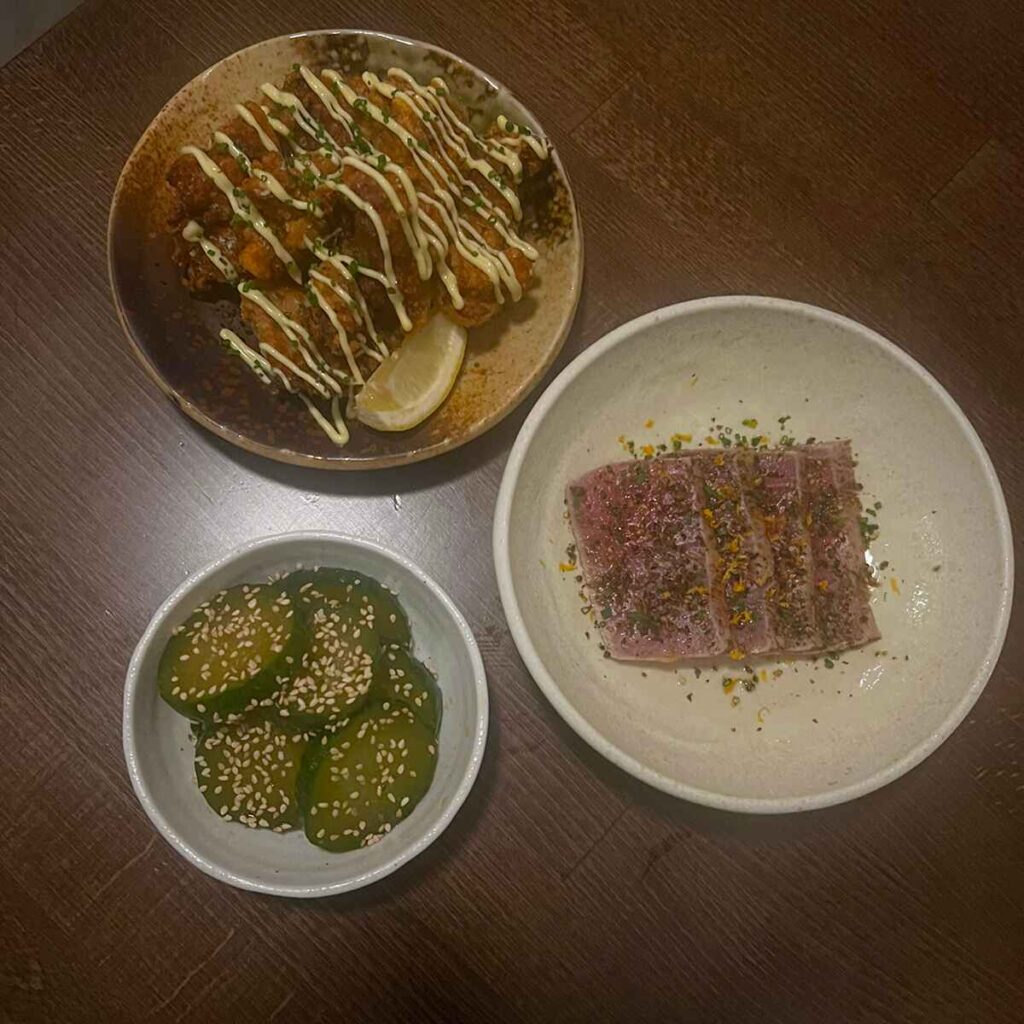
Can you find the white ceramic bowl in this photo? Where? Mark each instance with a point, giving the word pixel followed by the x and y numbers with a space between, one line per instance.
pixel 790 744
pixel 159 750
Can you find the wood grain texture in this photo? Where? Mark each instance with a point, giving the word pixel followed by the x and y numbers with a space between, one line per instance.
pixel 865 156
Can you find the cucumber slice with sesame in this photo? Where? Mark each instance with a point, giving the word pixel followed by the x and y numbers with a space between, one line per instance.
pixel 389 618
pixel 311 587
pixel 361 781
pixel 249 770
pixel 233 651
pixel 399 678
pixel 331 677
pixel 345 586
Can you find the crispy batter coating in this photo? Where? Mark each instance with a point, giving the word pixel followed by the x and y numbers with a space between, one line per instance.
pixel 342 189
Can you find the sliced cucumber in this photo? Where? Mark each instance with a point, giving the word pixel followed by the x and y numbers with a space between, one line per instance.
pixel 311 587
pixel 233 651
pixel 380 607
pixel 389 618
pixel 399 678
pixel 361 781
pixel 332 676
pixel 249 771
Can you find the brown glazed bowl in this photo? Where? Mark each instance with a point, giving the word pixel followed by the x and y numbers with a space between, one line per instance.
pixel 176 336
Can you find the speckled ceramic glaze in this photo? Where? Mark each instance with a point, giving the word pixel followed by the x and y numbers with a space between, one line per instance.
pixel 812 735
pixel 175 335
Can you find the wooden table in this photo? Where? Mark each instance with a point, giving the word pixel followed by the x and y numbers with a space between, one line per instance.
pixel 866 156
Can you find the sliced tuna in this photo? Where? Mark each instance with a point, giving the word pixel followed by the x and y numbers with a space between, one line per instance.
pixel 777 486
pixel 646 557
pixel 742 556
pixel 842 612
pixel 702 553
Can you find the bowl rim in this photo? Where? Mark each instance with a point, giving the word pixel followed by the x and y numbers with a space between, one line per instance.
pixel 287 455
pixel 403 854
pixel 550 688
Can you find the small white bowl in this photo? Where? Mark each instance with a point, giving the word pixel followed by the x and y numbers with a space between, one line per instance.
pixel 159 750
pixel 814 735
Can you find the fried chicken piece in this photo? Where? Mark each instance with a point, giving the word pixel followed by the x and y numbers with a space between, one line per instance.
pixel 478 292
pixel 306 339
pixel 320 190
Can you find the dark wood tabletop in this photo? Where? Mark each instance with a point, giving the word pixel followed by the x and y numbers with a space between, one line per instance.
pixel 864 156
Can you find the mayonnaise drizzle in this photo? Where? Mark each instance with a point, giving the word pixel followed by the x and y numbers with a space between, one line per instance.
pixel 233 148
pixel 421 154
pixel 192 232
pixel 253 122
pixel 439 240
pixel 500 225
pixel 279 126
pixel 359 308
pixel 259 364
pixel 429 241
pixel 322 379
pixel 454 226
pixel 504 266
pixel 334 428
pixel 342 333
pixel 272 185
pixel 278 191
pixel 259 361
pixel 243 207
pixel 485 257
pixel 433 102
pixel 520 133
pixel 324 95
pixel 394 293
pixel 318 132
pixel 410 228
pixel 302 116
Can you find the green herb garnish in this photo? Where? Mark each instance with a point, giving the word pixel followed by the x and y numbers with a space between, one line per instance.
pixel 868 529
pixel 639 618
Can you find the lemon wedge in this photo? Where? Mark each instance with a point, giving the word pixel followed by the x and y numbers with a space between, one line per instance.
pixel 412 382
